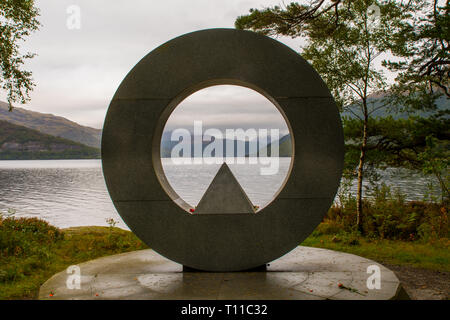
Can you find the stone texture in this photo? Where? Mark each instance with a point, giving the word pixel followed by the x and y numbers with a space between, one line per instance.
pixel 241 240
pixel 303 274
pixel 224 195
pixel 242 57
pixel 131 149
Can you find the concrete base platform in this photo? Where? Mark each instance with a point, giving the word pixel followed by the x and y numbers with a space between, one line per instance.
pixel 303 274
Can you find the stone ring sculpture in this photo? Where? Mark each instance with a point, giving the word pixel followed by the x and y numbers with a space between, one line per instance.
pixel 131 149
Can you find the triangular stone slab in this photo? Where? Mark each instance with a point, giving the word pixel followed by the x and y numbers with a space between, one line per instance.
pixel 224 195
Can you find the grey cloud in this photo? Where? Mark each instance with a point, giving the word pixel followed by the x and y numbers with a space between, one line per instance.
pixel 78 71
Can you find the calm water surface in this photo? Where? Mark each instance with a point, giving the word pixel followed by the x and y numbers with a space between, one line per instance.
pixel 73 192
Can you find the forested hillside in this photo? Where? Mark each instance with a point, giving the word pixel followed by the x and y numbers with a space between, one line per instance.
pixel 20 143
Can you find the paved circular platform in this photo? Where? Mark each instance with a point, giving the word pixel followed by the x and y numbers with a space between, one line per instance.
pixel 303 274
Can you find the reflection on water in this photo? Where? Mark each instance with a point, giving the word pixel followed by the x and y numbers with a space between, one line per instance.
pixel 73 192
pixel 413 185
pixel 65 193
pixel 190 181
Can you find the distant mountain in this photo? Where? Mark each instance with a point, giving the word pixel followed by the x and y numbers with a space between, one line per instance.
pixel 375 102
pixel 284 145
pixel 167 146
pixel 52 125
pixel 20 143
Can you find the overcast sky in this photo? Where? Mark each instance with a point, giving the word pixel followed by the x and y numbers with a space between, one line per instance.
pixel 77 71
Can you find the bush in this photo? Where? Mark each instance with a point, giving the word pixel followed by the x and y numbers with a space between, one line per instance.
pixel 388 215
pixel 329 226
pixel 25 246
pixel 31 250
pixel 23 236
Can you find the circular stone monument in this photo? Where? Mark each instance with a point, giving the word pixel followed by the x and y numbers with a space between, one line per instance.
pixel 132 162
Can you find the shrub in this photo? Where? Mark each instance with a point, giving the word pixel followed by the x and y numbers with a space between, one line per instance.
pixel 25 246
pixel 329 226
pixel 387 215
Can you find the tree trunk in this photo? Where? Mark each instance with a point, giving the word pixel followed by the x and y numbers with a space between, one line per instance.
pixel 444 190
pixel 359 207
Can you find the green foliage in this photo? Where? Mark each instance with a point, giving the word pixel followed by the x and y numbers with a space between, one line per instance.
pixel 435 159
pixel 50 147
pixel 388 216
pixel 342 40
pixel 343 45
pixel 17 21
pixel 416 143
pixel 395 231
pixel 31 251
pixel 434 255
pixel 345 54
pixel 419 40
pixel 399 142
pixel 288 20
pixel 422 61
pixel 28 240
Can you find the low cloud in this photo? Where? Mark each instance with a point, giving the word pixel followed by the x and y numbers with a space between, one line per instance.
pixel 77 71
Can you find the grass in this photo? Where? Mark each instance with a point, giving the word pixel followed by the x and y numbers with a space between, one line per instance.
pixel 24 274
pixel 31 251
pixel 432 255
